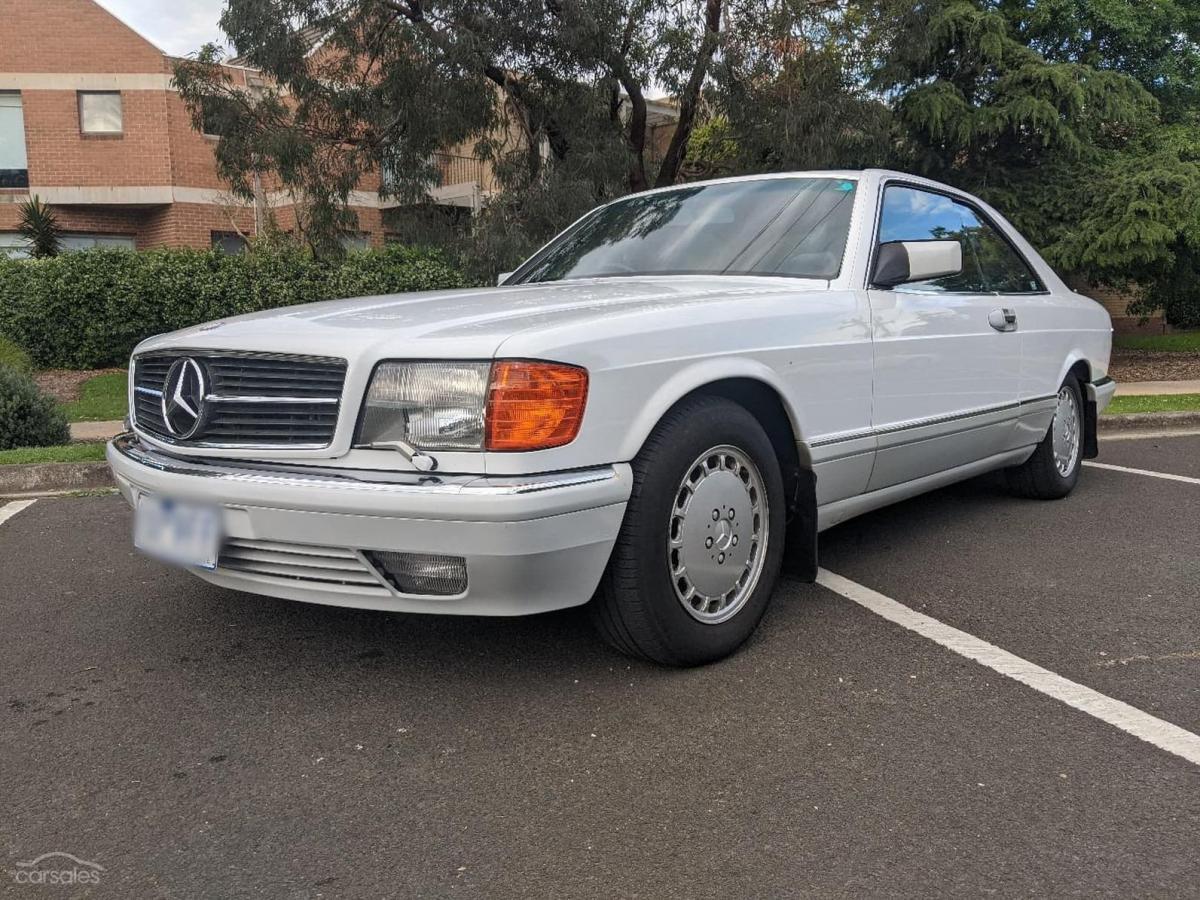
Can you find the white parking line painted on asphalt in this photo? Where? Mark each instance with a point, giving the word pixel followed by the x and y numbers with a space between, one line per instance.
pixel 1167 475
pixel 8 510
pixel 1129 719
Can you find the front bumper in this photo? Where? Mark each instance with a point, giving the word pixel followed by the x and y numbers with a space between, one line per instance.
pixel 531 543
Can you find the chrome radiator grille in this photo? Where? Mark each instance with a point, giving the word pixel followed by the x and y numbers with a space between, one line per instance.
pixel 240 400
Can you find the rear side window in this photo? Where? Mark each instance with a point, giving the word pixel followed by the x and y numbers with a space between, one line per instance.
pixel 1003 268
pixel 990 264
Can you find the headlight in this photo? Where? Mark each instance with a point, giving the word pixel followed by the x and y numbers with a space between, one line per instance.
pixel 430 405
pixel 510 405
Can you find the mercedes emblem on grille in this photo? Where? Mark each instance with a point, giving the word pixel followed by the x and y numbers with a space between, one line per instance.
pixel 183 398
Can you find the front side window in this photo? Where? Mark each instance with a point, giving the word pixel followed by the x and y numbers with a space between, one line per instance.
pixel 100 112
pixel 14 169
pixel 776 226
pixel 990 264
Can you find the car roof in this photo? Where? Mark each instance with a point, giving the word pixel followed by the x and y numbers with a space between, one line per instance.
pixel 849 174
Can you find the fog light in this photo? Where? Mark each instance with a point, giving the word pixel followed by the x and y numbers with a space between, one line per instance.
pixel 421 573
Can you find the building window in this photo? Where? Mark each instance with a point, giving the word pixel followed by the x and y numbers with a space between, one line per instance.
pixel 355 243
pixel 14 169
pixel 214 114
pixel 229 242
pixel 100 112
pixel 13 246
pixel 99 242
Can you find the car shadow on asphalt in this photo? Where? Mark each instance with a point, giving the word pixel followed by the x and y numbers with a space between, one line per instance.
pixel 335 639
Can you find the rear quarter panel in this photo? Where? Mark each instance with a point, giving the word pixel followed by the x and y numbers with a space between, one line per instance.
pixel 1059 330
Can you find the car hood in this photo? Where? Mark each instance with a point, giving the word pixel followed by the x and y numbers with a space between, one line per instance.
pixel 463 323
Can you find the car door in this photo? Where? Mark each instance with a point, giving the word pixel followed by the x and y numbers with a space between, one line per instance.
pixel 1045 332
pixel 947 357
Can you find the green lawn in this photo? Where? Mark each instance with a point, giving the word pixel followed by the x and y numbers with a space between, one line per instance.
pixel 1183 341
pixel 101 399
pixel 65 453
pixel 1154 403
pixel 13 356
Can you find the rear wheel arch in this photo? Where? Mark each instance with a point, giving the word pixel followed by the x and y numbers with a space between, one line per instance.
pixel 1081 371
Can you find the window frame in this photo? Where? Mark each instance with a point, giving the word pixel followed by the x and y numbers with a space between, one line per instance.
pixel 17 248
pixel 966 201
pixel 356 241
pixel 79 95
pixel 217 238
pixel 127 242
pixel 21 180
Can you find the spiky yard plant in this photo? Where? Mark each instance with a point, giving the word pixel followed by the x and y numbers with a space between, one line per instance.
pixel 39 226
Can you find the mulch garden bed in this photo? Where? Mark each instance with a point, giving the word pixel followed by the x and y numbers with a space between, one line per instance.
pixel 64 384
pixel 1154 365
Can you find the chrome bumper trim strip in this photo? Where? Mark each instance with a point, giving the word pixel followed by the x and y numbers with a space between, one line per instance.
pixel 924 423
pixel 129 446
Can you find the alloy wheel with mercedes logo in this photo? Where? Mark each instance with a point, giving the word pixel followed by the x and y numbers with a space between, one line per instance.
pixel 183 398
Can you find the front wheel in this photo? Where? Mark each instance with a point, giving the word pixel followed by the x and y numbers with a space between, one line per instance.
pixel 1053 470
pixel 701 545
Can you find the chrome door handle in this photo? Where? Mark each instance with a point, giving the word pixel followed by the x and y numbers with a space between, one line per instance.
pixel 1003 319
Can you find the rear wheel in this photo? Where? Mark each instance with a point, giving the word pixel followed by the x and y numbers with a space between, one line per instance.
pixel 701 545
pixel 1053 470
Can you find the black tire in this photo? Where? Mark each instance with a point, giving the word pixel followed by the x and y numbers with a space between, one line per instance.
pixel 1039 478
pixel 636 608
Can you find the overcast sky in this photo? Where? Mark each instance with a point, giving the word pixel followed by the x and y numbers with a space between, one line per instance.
pixel 176 26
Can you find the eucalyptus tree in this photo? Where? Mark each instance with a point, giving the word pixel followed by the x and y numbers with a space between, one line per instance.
pixel 355 86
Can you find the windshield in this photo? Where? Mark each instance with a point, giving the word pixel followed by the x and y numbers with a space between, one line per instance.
pixel 774 226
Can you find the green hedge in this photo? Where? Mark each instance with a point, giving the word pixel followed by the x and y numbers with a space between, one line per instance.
pixel 88 310
pixel 28 418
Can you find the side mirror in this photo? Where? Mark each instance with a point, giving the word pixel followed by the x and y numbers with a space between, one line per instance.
pixel 902 262
pixel 502 277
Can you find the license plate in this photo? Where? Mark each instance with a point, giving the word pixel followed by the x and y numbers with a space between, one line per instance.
pixel 185 534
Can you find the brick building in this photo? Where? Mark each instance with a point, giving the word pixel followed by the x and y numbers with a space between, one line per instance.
pixel 90 123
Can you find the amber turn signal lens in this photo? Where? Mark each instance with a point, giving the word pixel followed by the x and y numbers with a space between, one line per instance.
pixel 534 405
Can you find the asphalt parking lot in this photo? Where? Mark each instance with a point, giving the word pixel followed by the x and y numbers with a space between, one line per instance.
pixel 198 742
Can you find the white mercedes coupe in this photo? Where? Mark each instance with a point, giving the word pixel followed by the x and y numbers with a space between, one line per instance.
pixel 654 414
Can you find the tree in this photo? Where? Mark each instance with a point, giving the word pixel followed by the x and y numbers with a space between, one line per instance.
pixel 39 226
pixel 1152 41
pixel 1076 118
pixel 526 83
pixel 791 87
pixel 1074 146
pixel 1145 198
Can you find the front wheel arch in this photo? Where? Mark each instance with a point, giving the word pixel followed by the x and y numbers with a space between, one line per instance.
pixel 637 607
pixel 767 405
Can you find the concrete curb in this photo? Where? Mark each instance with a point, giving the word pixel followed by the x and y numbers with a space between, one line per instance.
pixel 53 478
pixel 96 431
pixel 1157 388
pixel 1164 421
